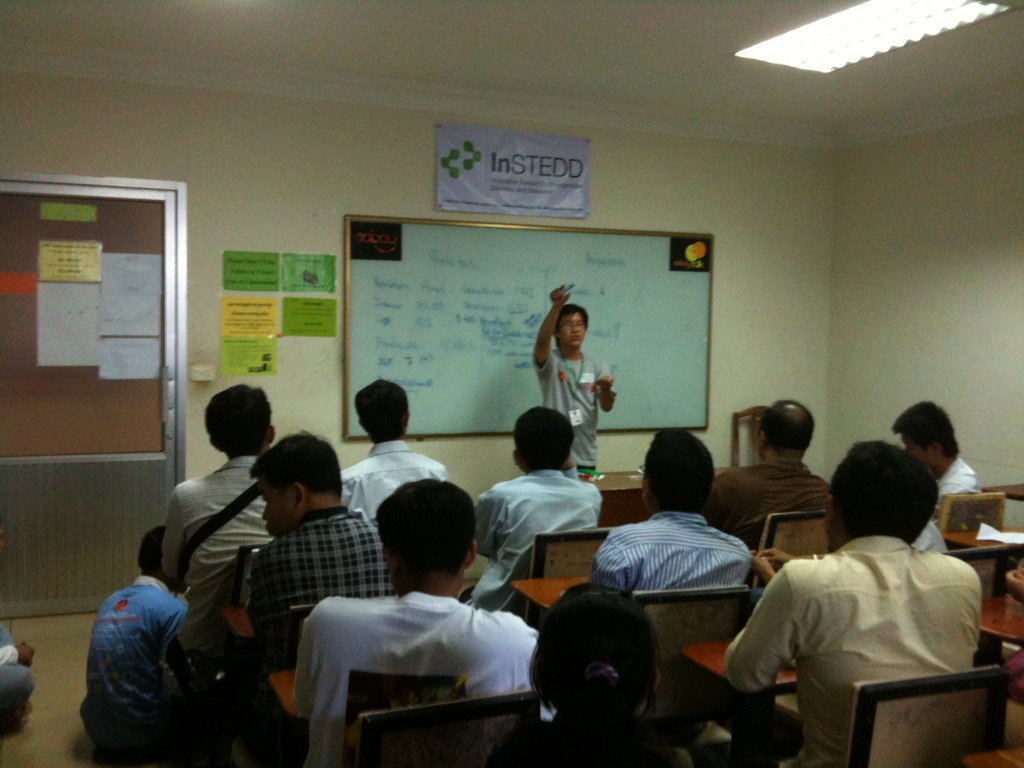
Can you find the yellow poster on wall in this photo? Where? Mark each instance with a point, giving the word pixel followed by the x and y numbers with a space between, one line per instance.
pixel 248 316
pixel 69 261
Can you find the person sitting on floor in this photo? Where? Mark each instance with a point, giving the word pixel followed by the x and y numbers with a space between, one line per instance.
pixel 127 706
pixel 16 683
pixel 512 513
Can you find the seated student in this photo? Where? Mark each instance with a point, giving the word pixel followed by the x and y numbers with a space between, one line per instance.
pixel 383 410
pixel 427 531
pixel 743 497
pixel 127 706
pixel 510 514
pixel 320 549
pixel 16 683
pixel 676 548
pixel 595 667
pixel 238 424
pixel 874 609
pixel 927 433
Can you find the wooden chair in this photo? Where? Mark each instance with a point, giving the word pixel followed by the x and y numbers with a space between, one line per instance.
pixel 927 722
pixel 991 563
pixel 560 554
pixel 240 580
pixel 457 734
pixel 795 533
pixel 967 511
pixel 297 615
pixel 744 423
pixel 681 617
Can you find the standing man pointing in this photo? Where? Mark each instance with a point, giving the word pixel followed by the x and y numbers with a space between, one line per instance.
pixel 570 382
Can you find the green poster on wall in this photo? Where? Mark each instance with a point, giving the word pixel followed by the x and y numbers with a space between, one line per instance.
pixel 251 271
pixel 308 272
pixel 309 317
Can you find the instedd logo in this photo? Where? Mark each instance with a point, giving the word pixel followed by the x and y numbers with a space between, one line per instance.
pixel 454 162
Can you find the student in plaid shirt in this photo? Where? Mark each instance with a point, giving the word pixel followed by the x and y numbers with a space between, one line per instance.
pixel 320 550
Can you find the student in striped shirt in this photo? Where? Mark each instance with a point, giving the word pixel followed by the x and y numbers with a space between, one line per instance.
pixel 676 548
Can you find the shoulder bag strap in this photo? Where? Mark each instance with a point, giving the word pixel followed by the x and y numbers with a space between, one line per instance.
pixel 241 502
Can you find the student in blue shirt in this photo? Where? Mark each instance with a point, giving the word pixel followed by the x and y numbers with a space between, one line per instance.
pixel 127 706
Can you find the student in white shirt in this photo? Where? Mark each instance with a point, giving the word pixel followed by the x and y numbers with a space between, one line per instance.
pixel 383 411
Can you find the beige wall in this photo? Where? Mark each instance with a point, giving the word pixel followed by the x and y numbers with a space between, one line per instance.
pixel 860 280
pixel 928 291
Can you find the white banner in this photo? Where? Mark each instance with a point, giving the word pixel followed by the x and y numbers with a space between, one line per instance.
pixel 526 174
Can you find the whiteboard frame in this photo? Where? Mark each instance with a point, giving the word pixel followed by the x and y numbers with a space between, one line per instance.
pixel 347 343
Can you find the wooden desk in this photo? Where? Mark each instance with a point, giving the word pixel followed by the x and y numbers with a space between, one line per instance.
pixel 621 502
pixel 1015 492
pixel 1003 617
pixel 282 683
pixel 238 622
pixel 752 713
pixel 998 758
pixel 711 656
pixel 965 539
pixel 544 592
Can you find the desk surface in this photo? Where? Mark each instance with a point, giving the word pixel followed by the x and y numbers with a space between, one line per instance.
pixel 619 481
pixel 544 592
pixel 1003 617
pixel 965 539
pixel 999 758
pixel 238 621
pixel 711 656
pixel 1015 492
pixel 283 684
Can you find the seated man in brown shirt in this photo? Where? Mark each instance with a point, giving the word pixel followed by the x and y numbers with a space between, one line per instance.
pixel 743 497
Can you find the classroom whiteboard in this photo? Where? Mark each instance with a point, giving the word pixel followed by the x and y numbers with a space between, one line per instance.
pixel 450 311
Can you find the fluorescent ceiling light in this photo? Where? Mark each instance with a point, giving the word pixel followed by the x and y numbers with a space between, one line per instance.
pixel 866 30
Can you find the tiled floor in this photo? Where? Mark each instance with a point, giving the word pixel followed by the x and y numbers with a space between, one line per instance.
pixel 53 736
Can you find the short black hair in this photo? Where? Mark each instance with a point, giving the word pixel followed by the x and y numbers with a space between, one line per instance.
pixel 788 424
pixel 679 469
pixel 572 309
pixel 429 524
pixel 237 420
pixel 381 407
pixel 543 437
pixel 150 551
pixel 882 491
pixel 301 458
pixel 925 423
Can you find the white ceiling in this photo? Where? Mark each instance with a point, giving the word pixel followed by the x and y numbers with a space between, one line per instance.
pixel 660 65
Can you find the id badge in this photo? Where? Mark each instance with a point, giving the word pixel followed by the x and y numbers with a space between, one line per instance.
pixel 587 378
pixel 575 417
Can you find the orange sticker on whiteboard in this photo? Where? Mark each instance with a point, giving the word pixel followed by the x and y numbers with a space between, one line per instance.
pixel 23 283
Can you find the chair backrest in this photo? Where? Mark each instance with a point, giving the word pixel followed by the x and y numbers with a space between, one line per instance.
pixel 559 554
pixel 455 734
pixel 796 533
pixel 240 580
pixel 991 563
pixel 927 722
pixel 297 615
pixel 744 435
pixel 967 511
pixel 681 617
